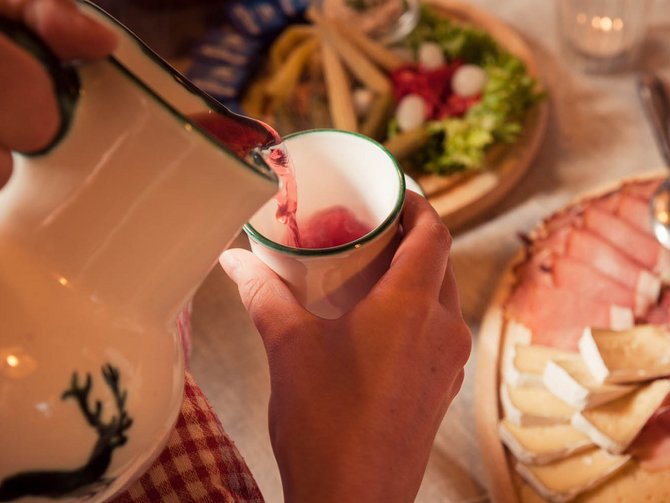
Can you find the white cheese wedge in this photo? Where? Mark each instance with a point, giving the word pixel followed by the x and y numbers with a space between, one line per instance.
pixel 525 366
pixel 614 425
pixel 534 406
pixel 621 318
pixel 648 285
pixel 570 379
pixel 517 333
pixel 538 445
pixel 564 479
pixel 639 354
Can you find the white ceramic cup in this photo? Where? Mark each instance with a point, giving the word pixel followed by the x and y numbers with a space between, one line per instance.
pixel 335 168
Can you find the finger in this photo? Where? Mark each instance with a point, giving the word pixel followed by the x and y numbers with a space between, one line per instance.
pixel 269 302
pixel 421 259
pixel 70 33
pixel 456 386
pixel 27 103
pixel 449 297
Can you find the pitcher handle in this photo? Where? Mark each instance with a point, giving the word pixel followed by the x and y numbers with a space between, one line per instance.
pixel 64 75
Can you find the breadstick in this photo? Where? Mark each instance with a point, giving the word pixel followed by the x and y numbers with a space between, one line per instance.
pixel 340 99
pixel 357 63
pixel 374 124
pixel 377 52
pixel 284 44
pixel 283 82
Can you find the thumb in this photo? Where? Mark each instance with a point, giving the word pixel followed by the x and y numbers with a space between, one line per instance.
pixel 269 302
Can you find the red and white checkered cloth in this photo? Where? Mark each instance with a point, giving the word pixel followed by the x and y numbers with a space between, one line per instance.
pixel 200 463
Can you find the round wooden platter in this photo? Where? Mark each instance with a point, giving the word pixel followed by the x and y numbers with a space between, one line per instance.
pixel 504 484
pixel 462 198
pixel 491 341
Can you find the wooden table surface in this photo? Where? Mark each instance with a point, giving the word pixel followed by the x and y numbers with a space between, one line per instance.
pixel 596 134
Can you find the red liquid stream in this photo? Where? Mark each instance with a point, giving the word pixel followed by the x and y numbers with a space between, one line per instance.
pixel 327 228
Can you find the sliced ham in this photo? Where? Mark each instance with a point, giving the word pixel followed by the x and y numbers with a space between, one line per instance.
pixel 632 241
pixel 608 202
pixel 589 283
pixel 642 189
pixel 628 205
pixel 652 446
pixel 586 247
pixel 659 313
pixel 557 316
pixel 635 211
pixel 551 269
pixel 566 233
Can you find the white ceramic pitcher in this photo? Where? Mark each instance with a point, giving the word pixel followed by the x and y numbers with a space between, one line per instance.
pixel 104 236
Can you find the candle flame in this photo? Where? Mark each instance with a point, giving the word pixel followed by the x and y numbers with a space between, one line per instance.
pixel 606 23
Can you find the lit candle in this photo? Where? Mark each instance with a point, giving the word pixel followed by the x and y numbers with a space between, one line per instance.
pixel 600 36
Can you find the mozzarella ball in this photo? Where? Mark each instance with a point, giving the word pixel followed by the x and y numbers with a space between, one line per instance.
pixel 468 80
pixel 411 112
pixel 431 56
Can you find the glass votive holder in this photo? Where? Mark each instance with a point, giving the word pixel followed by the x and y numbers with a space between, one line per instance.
pixel 388 21
pixel 602 36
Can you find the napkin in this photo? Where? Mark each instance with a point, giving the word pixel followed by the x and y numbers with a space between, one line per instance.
pixel 200 462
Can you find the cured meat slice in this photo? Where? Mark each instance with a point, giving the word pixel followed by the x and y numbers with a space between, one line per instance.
pixel 642 189
pixel 608 202
pixel 585 246
pixel 659 313
pixel 632 241
pixel 557 316
pixel 630 206
pixel 589 283
pixel 635 211
pixel 652 446
pixel 551 269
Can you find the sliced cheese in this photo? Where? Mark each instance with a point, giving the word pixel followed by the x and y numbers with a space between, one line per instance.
pixel 571 380
pixel 614 425
pixel 517 333
pixel 631 484
pixel 526 364
pixel 621 318
pixel 638 354
pixel 648 285
pixel 534 406
pixel 564 479
pixel 537 445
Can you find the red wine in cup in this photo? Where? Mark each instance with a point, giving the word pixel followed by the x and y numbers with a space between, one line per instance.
pixel 326 228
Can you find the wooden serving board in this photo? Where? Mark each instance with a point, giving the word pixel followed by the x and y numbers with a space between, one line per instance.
pixel 460 199
pixel 488 412
pixel 504 484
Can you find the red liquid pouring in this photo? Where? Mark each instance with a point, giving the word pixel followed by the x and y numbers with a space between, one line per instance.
pixel 327 228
